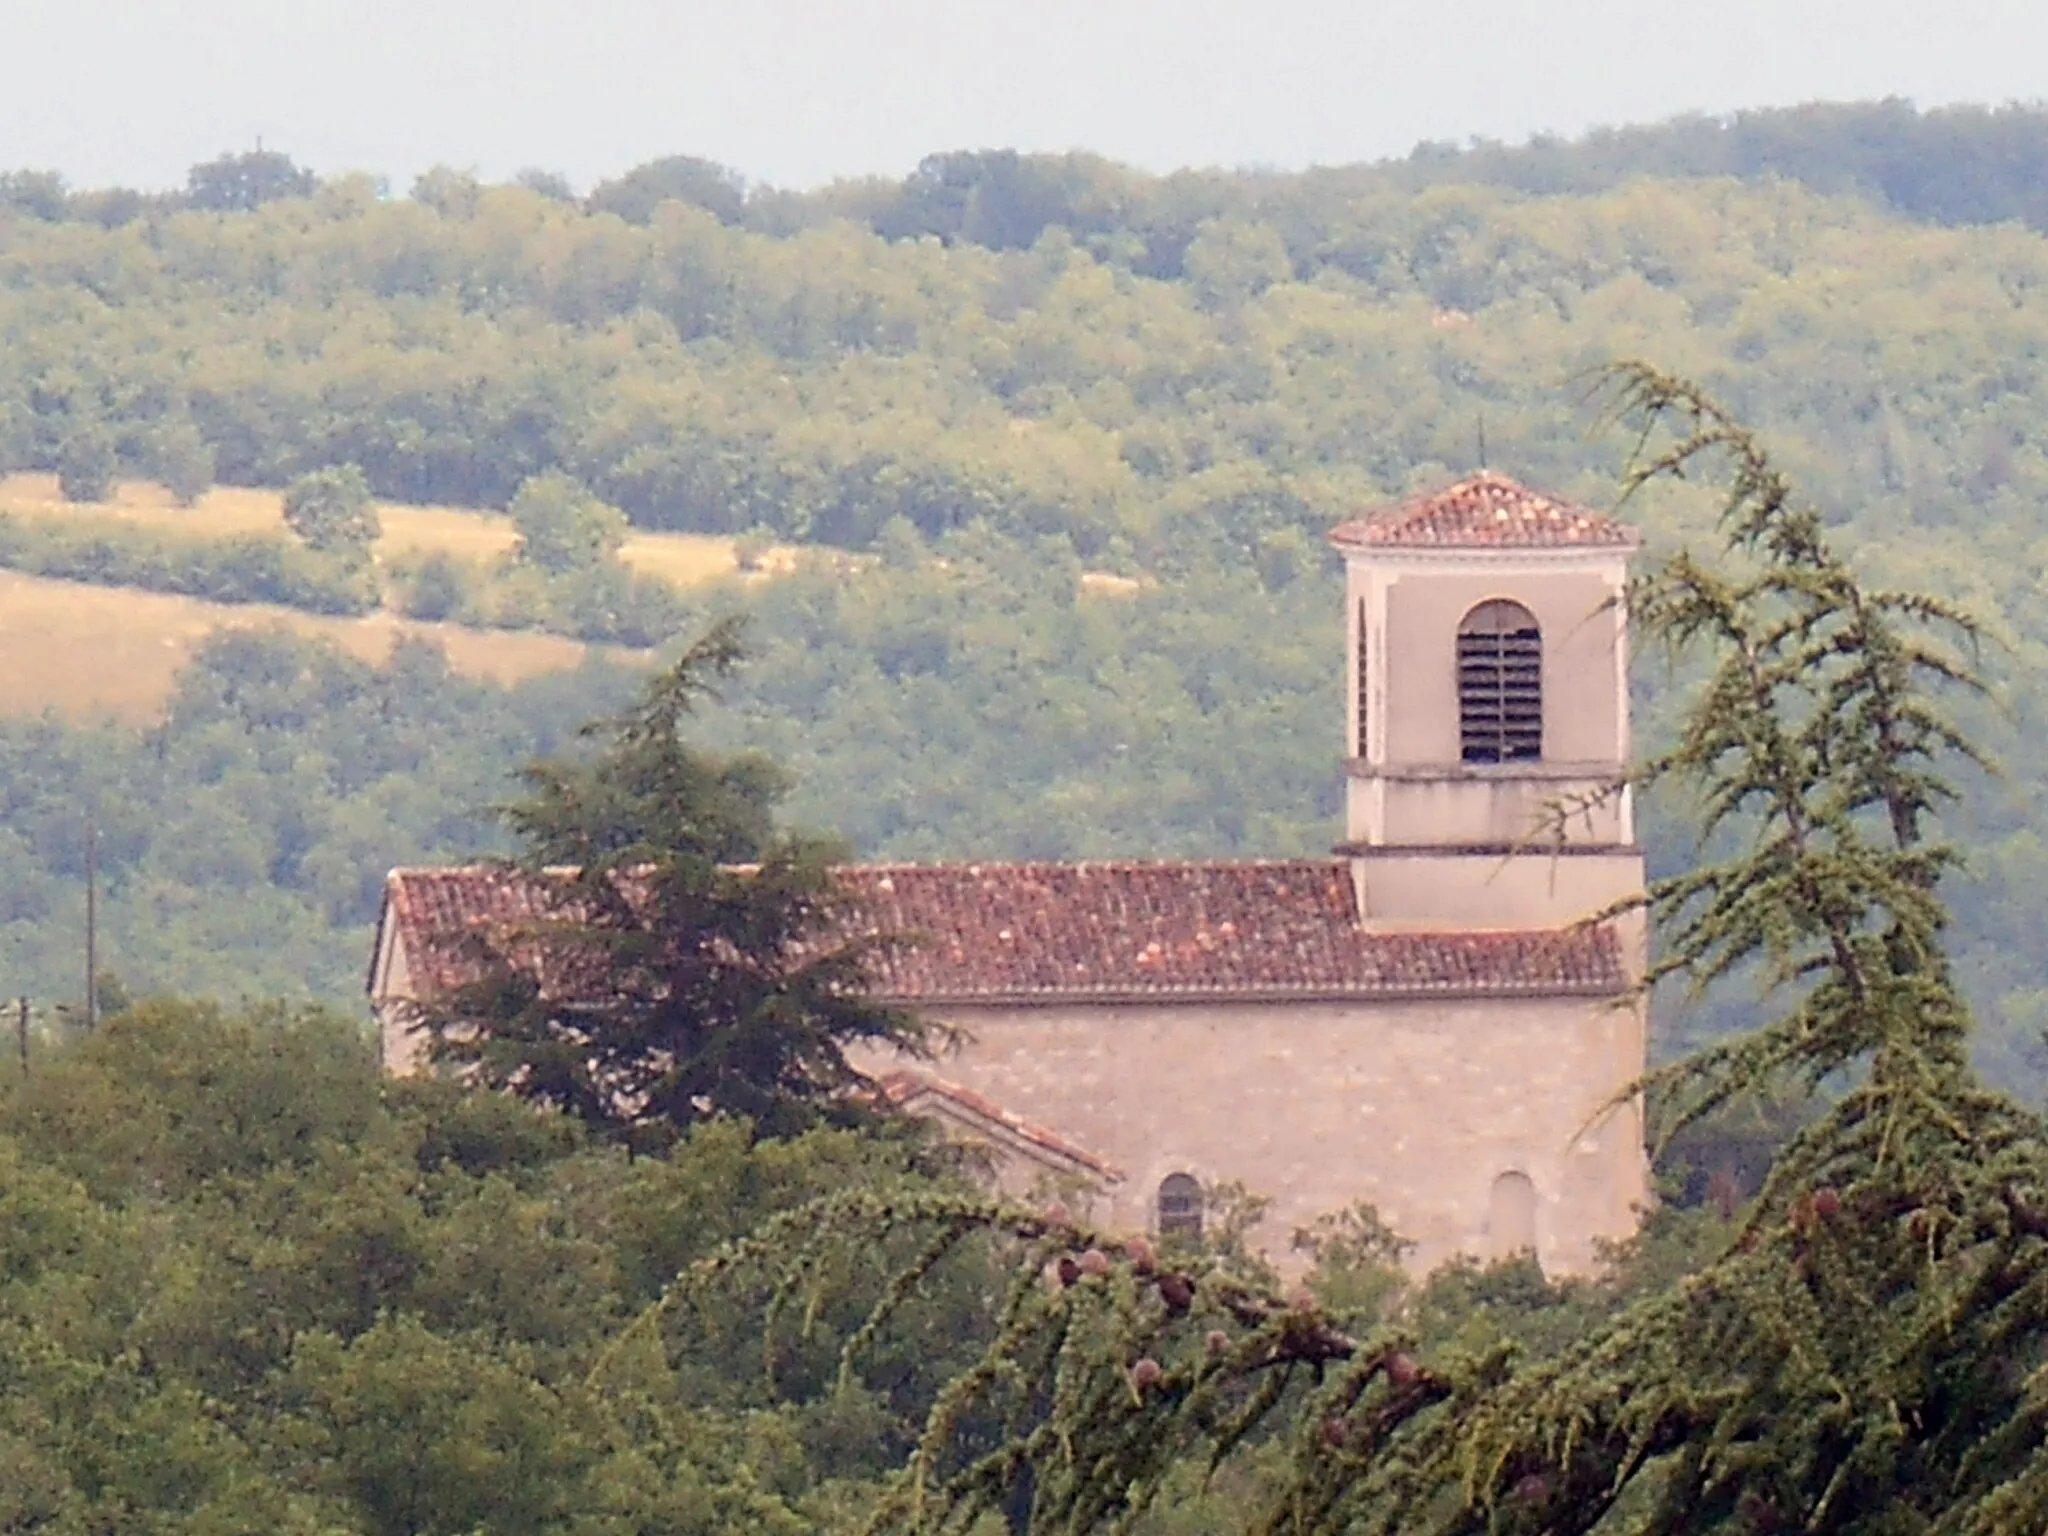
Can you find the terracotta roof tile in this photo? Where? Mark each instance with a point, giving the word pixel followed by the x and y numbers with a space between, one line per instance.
pixel 1085 931
pixel 905 1089
pixel 1483 511
pixel 436 913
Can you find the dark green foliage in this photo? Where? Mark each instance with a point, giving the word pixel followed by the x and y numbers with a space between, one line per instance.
pixel 562 527
pixel 1816 735
pixel 703 184
pixel 605 602
pixel 437 588
pixel 611 605
pixel 37 194
pixel 451 193
pixel 1951 165
pixel 114 207
pixel 1181 380
pixel 183 460
pixel 245 836
pixel 227 1096
pixel 238 183
pixel 1004 200
pixel 552 185
pixel 246 1286
pixel 1072 370
pixel 684 987
pixel 86 463
pixel 1719 1158
pixel 647 793
pixel 333 512
pixel 1850 1356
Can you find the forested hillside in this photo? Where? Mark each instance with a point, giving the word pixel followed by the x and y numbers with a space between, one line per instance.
pixel 991 378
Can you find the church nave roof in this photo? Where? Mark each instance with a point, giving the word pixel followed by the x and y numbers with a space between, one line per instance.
pixel 1095 931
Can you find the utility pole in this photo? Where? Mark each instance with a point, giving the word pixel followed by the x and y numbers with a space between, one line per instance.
pixel 21 1034
pixel 92 925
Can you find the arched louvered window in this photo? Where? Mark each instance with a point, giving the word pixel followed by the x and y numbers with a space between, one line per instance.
pixel 1180 1207
pixel 1500 684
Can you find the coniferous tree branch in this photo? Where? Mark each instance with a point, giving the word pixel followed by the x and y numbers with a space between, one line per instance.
pixel 1857 1358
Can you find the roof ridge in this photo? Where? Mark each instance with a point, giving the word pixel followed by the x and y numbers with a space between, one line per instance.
pixel 1486 509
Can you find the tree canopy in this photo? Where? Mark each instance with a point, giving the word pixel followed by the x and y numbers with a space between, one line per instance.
pixel 246 1286
pixel 562 527
pixel 332 511
pixel 248 180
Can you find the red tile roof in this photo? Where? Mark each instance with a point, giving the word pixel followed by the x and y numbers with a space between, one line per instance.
pixel 1483 511
pixel 906 1090
pixel 1120 931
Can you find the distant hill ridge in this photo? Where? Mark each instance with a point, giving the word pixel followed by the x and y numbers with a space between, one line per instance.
pixel 1951 166
pixel 1959 164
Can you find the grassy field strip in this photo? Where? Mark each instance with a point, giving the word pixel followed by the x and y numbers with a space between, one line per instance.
pixel 90 651
pixel 682 558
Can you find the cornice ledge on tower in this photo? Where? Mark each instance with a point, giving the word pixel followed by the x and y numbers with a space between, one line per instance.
pixel 1546 847
pixel 1544 769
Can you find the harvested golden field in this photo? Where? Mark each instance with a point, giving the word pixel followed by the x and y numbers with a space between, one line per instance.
pixel 89 651
pixel 683 558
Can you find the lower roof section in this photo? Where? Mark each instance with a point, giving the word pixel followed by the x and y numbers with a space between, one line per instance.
pixel 927 1094
pixel 1031 933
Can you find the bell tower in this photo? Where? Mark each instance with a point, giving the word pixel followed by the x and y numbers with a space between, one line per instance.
pixel 1488 671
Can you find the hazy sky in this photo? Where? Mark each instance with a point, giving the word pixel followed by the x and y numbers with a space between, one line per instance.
pixel 796 92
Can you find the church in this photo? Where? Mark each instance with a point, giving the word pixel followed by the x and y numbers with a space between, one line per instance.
pixel 1437 1019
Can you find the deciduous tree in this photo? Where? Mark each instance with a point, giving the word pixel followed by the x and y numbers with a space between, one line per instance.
pixel 86 463
pixel 238 183
pixel 562 526
pixel 332 510
pixel 184 461
pixel 705 184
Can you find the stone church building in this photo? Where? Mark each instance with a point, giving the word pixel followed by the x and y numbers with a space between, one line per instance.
pixel 1424 1020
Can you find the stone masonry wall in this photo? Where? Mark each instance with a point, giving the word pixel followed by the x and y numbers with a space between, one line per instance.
pixel 1418 1107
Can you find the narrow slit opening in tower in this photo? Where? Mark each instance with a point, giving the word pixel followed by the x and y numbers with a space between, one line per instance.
pixel 1364 688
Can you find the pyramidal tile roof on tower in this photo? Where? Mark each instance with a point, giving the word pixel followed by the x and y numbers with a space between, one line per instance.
pixel 1026 932
pixel 1483 511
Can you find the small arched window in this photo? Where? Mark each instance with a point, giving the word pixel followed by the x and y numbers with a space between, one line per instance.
pixel 1500 684
pixel 1511 1216
pixel 1180 1207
